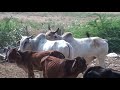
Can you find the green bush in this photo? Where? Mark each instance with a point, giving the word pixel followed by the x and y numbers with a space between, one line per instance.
pixel 10 31
pixel 104 27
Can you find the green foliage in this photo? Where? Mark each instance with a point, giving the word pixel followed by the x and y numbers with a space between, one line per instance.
pixel 104 27
pixel 10 31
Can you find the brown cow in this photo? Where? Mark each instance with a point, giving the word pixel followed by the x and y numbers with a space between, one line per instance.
pixel 54 67
pixel 29 60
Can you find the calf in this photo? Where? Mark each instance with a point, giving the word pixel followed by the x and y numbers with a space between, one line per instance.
pixel 54 67
pixel 30 61
pixel 100 72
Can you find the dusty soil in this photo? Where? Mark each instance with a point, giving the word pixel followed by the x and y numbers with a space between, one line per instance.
pixel 8 70
pixel 51 16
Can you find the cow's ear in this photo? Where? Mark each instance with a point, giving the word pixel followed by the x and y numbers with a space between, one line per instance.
pixel 14 50
pixel 18 42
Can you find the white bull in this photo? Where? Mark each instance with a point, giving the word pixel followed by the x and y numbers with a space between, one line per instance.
pixel 89 48
pixel 40 43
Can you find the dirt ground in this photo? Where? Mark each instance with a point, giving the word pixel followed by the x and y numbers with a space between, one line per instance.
pixel 8 70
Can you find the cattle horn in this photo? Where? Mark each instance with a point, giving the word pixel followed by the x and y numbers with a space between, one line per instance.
pixel 21 35
pixel 18 42
pixel 56 30
pixel 30 36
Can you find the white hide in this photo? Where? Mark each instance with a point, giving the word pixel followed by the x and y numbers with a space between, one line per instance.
pixel 40 43
pixel 89 48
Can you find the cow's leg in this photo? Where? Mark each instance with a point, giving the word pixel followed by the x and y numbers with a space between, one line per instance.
pixel 30 72
pixel 44 65
pixel 31 75
pixel 40 74
pixel 88 60
pixel 101 61
pixel 44 76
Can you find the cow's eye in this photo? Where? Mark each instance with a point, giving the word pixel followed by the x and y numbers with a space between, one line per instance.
pixel 26 42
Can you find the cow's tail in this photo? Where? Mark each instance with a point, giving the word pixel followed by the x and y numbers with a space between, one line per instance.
pixel 71 54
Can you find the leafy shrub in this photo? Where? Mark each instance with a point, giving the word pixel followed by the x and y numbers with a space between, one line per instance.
pixel 104 27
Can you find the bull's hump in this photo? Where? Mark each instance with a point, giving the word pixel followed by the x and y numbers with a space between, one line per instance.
pixel 68 34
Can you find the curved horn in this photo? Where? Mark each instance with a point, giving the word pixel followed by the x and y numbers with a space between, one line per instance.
pixel 56 31
pixel 30 36
pixel 21 36
pixel 18 42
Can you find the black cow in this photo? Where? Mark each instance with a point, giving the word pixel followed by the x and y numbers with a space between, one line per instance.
pixel 100 72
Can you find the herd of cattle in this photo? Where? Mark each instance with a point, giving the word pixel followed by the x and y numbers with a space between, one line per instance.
pixel 61 55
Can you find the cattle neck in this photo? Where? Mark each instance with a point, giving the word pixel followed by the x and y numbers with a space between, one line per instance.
pixel 32 45
pixel 23 57
pixel 42 41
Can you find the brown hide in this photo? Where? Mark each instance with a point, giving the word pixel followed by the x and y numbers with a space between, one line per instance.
pixel 61 68
pixel 30 61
